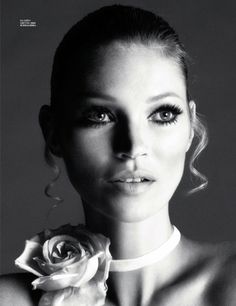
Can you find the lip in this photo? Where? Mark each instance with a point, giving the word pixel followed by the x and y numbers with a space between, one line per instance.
pixel 132 183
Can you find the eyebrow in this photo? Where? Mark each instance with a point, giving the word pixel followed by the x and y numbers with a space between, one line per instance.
pixel 163 96
pixel 102 96
pixel 96 95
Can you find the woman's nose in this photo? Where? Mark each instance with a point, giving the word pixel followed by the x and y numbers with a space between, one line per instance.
pixel 130 142
pixel 125 156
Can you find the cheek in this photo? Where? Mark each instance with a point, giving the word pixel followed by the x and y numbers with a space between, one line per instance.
pixel 89 148
pixel 171 149
pixel 85 154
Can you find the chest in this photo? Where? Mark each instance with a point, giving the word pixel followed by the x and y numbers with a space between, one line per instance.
pixel 190 290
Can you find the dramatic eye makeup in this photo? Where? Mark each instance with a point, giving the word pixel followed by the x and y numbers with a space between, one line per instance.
pixel 165 114
pixel 96 116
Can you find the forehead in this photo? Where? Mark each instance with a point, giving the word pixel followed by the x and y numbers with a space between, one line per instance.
pixel 128 72
pixel 133 68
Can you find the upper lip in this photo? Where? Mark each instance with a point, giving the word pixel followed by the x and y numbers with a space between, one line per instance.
pixel 133 175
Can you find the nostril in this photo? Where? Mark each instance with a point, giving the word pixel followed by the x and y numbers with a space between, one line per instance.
pixel 125 156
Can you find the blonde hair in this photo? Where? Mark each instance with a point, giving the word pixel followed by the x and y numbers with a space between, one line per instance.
pixel 116 23
pixel 201 141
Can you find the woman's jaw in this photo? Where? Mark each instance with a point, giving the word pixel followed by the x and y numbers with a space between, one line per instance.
pixel 130 239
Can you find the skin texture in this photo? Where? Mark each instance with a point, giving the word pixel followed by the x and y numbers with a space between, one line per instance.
pixel 16 289
pixel 131 83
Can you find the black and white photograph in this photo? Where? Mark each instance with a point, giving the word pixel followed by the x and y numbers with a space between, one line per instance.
pixel 118 153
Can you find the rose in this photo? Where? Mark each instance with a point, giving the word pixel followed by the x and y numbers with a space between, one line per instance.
pixel 72 264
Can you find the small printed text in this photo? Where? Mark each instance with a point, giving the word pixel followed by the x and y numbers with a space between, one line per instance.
pixel 27 23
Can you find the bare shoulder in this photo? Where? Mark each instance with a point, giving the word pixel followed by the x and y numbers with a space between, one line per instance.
pixel 16 289
pixel 216 269
pixel 215 259
pixel 223 284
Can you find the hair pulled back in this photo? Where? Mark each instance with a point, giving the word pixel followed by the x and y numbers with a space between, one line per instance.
pixel 125 24
pixel 104 26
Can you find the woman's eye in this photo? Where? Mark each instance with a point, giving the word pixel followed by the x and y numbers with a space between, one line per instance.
pixel 165 114
pixel 98 117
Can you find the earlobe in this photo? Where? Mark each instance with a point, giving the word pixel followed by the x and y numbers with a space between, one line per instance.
pixel 47 123
pixel 192 111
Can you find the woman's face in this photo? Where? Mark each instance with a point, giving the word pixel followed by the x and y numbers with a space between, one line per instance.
pixel 129 131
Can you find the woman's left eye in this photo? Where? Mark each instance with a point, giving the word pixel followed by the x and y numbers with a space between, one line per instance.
pixel 165 114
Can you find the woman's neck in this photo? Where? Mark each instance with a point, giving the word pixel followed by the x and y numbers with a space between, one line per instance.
pixel 131 239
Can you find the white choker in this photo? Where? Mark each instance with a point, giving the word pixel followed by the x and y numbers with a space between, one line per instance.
pixel 124 265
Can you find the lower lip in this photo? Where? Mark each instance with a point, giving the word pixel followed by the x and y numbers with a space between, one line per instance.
pixel 132 188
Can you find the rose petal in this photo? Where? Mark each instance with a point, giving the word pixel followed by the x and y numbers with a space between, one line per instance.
pixel 25 260
pixel 76 271
pixel 50 244
pixel 105 261
pixel 97 241
pixel 51 283
pixel 66 229
pixel 89 294
pixel 49 268
pixel 74 275
pixel 55 282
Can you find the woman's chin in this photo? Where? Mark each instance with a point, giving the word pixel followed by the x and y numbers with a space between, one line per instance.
pixel 131 210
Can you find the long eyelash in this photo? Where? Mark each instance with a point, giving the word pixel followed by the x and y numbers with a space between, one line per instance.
pixel 91 123
pixel 169 107
pixel 176 110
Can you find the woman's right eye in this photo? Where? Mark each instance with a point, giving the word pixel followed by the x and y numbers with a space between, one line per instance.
pixel 97 117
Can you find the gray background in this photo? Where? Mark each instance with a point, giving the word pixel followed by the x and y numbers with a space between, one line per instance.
pixel 207 28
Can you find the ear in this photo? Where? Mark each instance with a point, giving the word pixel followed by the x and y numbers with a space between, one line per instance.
pixel 192 111
pixel 48 126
